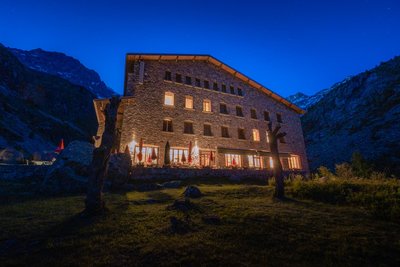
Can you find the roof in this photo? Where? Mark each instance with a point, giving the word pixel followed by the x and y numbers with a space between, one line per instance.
pixel 219 64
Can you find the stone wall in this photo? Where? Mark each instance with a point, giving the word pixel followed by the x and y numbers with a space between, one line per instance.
pixel 183 173
pixel 143 118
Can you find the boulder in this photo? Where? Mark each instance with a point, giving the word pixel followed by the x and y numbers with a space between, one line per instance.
pixel 119 169
pixel 69 173
pixel 11 155
pixel 192 191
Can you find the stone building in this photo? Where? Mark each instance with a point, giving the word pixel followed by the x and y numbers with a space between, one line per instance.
pixel 200 100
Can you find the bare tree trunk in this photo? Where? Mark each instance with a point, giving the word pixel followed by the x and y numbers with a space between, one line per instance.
pixel 274 137
pixel 98 170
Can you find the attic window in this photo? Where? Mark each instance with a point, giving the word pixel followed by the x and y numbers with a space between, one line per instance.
pixel 279 118
pixel 178 78
pixel 206 85
pixel 188 80
pixel 215 86
pixel 232 90
pixel 240 92
pixel 167 76
pixel 223 88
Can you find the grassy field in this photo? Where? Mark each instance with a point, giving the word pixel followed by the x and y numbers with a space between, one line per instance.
pixel 254 230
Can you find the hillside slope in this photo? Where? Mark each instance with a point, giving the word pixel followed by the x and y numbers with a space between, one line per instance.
pixel 65 67
pixel 360 114
pixel 38 109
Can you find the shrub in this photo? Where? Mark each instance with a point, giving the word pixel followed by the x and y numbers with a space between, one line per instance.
pixel 325 172
pixel 344 171
pixel 360 167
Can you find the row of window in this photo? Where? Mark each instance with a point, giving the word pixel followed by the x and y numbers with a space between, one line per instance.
pixel 203 84
pixel 169 100
pixel 207 131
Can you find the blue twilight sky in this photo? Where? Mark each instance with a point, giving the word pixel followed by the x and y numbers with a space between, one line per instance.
pixel 288 46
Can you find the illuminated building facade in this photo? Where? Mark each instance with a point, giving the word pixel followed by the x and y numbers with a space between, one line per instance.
pixel 198 99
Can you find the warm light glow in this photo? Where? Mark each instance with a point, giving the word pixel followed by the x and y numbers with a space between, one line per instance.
pixel 196 154
pixel 267 137
pixel 169 99
pixel 256 135
pixel 189 102
pixel 271 162
pixel 206 105
pixel 132 145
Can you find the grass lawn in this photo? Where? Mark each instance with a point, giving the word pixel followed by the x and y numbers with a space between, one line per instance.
pixel 254 231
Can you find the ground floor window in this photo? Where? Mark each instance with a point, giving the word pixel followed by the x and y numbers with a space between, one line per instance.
pixel 207 158
pixel 233 160
pixel 179 155
pixel 294 162
pixel 255 161
pixel 148 155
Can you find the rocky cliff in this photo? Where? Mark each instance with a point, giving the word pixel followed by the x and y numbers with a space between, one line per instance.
pixel 38 109
pixel 65 67
pixel 361 114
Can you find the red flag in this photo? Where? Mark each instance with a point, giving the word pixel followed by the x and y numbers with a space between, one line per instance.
pixel 183 159
pixel 153 154
pixel 149 159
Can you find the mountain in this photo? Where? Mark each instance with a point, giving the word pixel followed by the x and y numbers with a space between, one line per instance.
pixel 305 101
pixel 65 67
pixel 362 113
pixel 38 109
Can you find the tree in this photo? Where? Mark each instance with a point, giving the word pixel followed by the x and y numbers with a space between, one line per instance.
pixel 98 169
pixel 274 136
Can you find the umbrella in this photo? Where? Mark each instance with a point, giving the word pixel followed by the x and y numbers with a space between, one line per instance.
pixel 149 159
pixel 140 155
pixel 190 152
pixel 127 150
pixel 167 160
pixel 60 147
pixel 153 154
pixel 183 159
pixel 233 162
pixel 211 156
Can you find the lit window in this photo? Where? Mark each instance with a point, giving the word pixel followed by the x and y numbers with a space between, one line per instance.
pixel 178 155
pixel 233 160
pixel 256 135
pixel 169 99
pixel 266 115
pixel 271 162
pixel 188 127
pixel 255 161
pixel 167 125
pixel 253 113
pixel 239 111
pixel 167 76
pixel 294 162
pixel 206 105
pixel 207 130
pixel 223 109
pixel 267 137
pixel 279 118
pixel 224 132
pixel 189 102
pixel 241 134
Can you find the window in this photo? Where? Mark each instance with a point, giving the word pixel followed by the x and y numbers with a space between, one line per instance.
pixel 256 135
pixel 207 158
pixel 223 109
pixel 188 80
pixel 207 130
pixel 206 105
pixel 240 92
pixel 266 115
pixel 239 111
pixel 223 88
pixel 253 113
pixel 178 155
pixel 255 161
pixel 178 78
pixel 188 127
pixel 224 131
pixel 233 160
pixel 282 140
pixel 279 118
pixel 149 155
pixel 197 82
pixel 241 134
pixel 215 86
pixel 189 102
pixel 167 125
pixel 168 76
pixel 271 162
pixel 294 162
pixel 232 90
pixel 206 85
pixel 169 99
pixel 267 137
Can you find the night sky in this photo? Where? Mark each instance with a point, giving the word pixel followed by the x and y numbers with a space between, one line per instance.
pixel 288 46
